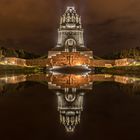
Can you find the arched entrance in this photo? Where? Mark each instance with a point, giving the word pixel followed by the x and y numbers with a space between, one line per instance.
pixel 70 45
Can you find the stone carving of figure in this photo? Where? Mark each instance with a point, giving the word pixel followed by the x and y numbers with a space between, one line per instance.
pixel 70 10
pixel 73 18
pixel 80 20
pixel 77 19
pixel 68 17
pixel 61 20
pixel 64 19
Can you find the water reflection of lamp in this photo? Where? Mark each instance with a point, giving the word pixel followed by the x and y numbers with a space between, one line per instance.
pixel 70 106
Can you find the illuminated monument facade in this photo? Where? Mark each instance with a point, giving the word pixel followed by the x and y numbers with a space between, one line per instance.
pixel 70 50
pixel 70 43
pixel 70 33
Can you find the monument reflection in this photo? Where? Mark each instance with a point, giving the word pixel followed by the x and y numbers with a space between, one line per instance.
pixel 70 90
pixel 70 106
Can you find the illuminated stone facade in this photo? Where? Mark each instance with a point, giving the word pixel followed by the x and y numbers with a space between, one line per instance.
pixel 70 40
pixel 13 61
pixel 70 50
pixel 70 59
pixel 124 62
pixel 70 32
pixel 67 59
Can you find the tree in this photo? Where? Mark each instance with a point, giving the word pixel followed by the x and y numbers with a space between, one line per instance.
pixel 1 53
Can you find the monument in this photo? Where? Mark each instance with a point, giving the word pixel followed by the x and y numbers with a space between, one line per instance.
pixel 70 44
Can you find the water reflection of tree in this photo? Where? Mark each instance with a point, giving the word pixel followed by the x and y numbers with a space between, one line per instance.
pixel 9 89
pixel 131 89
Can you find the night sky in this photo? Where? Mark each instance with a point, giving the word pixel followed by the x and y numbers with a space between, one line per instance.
pixel 109 25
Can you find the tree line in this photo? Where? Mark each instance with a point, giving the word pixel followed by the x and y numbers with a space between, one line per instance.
pixel 126 53
pixel 6 52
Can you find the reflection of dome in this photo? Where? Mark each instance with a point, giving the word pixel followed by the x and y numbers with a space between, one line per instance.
pixel 70 105
pixel 70 119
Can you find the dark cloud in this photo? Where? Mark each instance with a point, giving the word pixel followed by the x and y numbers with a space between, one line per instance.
pixel 109 25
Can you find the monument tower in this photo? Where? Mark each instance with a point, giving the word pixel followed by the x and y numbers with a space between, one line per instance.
pixel 70 33
pixel 70 41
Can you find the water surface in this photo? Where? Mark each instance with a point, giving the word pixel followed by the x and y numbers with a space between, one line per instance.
pixel 69 106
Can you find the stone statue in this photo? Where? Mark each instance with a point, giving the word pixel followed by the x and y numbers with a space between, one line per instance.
pixel 80 20
pixel 61 20
pixel 77 19
pixel 64 20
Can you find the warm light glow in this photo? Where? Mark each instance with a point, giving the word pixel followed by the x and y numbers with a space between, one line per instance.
pixel 5 62
pixel 13 62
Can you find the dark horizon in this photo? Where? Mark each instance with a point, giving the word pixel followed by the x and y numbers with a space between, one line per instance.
pixel 32 25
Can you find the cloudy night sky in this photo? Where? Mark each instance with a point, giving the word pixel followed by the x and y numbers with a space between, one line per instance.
pixel 109 25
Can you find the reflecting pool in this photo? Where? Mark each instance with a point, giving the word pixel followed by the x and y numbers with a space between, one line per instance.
pixel 70 106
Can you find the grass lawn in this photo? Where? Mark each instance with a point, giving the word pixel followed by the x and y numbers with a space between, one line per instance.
pixel 17 69
pixel 122 70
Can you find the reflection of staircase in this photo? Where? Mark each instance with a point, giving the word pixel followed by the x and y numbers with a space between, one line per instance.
pixel 70 81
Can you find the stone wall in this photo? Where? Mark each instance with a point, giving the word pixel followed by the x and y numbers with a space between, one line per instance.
pixel 87 53
pixel 124 62
pixel 122 79
pixel 13 79
pixel 67 59
pixel 13 61
pixel 53 53
pixel 102 63
pixel 38 62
